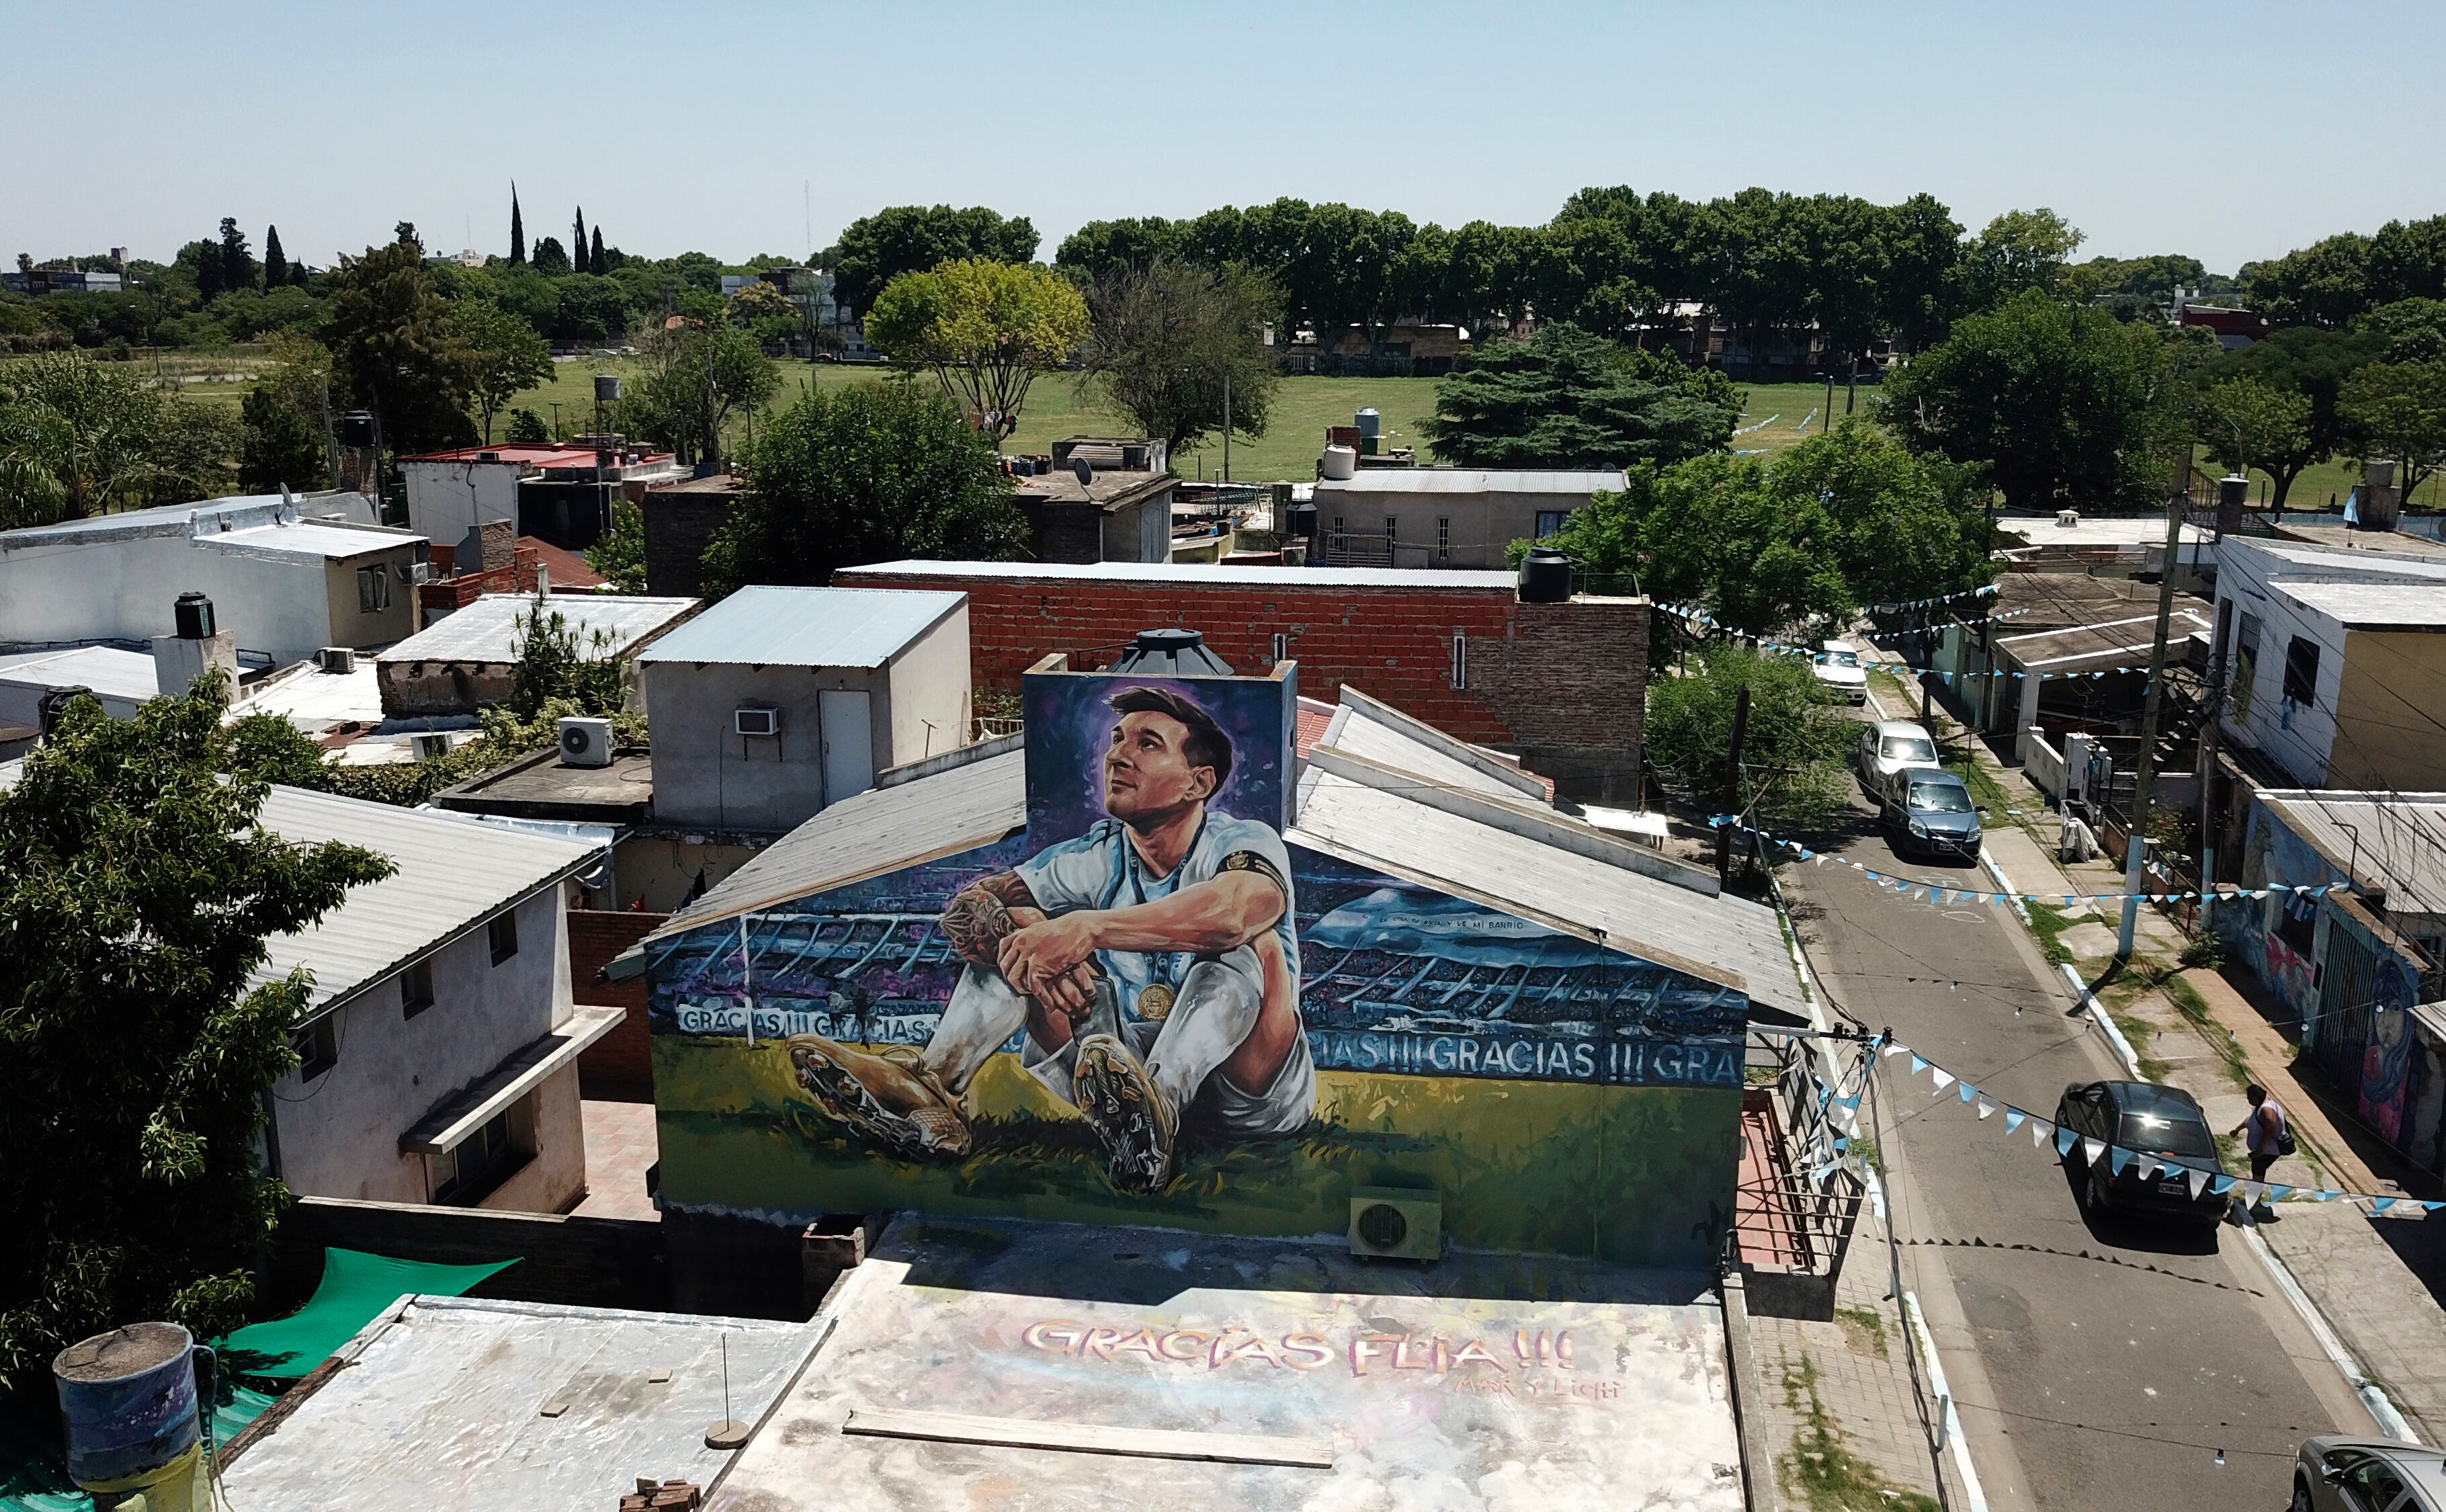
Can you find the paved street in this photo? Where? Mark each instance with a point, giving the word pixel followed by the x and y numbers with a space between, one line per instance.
pixel 2094 1364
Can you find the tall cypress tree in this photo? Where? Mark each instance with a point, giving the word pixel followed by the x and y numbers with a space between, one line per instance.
pixel 276 266
pixel 518 227
pixel 594 260
pixel 577 259
pixel 237 269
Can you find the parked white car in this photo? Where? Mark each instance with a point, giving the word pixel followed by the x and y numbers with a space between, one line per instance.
pixel 1887 748
pixel 1837 665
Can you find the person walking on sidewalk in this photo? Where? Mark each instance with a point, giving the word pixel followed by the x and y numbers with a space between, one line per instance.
pixel 2269 1135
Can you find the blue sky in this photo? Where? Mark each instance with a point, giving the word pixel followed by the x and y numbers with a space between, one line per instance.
pixel 2230 131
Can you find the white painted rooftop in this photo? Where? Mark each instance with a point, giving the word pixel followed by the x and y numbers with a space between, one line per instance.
pixel 1470 480
pixel 775 626
pixel 487 630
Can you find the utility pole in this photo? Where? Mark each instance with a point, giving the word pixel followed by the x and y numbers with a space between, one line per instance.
pixel 2232 494
pixel 1226 426
pixel 1733 788
pixel 2135 845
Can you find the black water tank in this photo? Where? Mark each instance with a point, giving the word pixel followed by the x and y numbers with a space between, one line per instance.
pixel 357 429
pixel 2233 497
pixel 1545 577
pixel 55 704
pixel 1136 457
pixel 1172 654
pixel 194 613
pixel 1299 522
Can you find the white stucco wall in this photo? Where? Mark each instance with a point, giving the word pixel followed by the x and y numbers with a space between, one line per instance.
pixel 280 604
pixel 2298 737
pixel 339 1134
pixel 930 682
pixel 445 499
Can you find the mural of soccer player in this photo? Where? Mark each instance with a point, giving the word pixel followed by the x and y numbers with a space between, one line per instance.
pixel 1151 963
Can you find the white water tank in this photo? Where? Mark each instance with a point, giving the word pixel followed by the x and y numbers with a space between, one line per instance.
pixel 1341 464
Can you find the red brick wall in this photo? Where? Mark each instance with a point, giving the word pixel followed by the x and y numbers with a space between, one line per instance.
pixel 1564 685
pixel 620 1063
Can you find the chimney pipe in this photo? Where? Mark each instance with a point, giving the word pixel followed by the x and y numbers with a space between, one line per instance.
pixel 544 580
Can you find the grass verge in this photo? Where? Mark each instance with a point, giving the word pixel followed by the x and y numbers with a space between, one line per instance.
pixel 1863 1324
pixel 2049 922
pixel 1820 1470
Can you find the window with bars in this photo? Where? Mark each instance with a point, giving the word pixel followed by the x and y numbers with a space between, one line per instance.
pixel 1444 538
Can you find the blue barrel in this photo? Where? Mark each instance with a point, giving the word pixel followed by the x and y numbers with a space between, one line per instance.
pixel 128 1397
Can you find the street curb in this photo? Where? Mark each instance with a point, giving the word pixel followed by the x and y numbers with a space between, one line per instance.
pixel 2389 1420
pixel 1973 1494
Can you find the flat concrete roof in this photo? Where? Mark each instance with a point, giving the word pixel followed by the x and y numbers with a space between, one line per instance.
pixel 1471 480
pixel 111 671
pixel 1460 1383
pixel 487 630
pixel 2372 606
pixel 777 626
pixel 543 786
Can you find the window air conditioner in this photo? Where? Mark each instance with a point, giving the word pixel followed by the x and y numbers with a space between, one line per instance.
pixel 430 748
pixel 341 659
pixel 1390 1225
pixel 756 721
pixel 586 742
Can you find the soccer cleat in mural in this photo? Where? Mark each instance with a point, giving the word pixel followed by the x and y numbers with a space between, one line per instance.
pixel 888 1097
pixel 1128 1112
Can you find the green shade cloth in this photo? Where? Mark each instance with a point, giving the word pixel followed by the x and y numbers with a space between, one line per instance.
pixel 356 1287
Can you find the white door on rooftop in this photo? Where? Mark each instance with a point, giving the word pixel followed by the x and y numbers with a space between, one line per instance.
pixel 849 745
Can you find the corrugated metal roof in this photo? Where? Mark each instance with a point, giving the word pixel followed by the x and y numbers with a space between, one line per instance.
pixel 1362 735
pixel 2393 843
pixel 1192 574
pixel 805 627
pixel 1723 938
pixel 880 830
pixel 1469 480
pixel 442 1405
pixel 204 516
pixel 453 873
pixel 486 631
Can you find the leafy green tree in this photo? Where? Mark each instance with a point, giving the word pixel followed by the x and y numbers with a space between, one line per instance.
pixel 759 301
pixel 283 439
pixel 1167 337
pixel 528 428
pixel 701 376
pixel 551 258
pixel 555 662
pixel 518 230
pixel 2057 400
pixel 586 308
pixel 2399 408
pixel 1103 248
pixel 275 264
pixel 136 894
pixel 2311 361
pixel 1843 519
pixel 594 260
pixel 1567 398
pixel 2332 281
pixel 1793 746
pixel 873 250
pixel 2021 249
pixel 864 472
pixel 2245 424
pixel 396 348
pixel 577 253
pixel 984 328
pixel 620 555
pixel 2414 329
pixel 500 357
pixel 80 438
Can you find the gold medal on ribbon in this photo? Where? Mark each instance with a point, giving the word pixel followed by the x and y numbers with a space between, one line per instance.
pixel 1155 1002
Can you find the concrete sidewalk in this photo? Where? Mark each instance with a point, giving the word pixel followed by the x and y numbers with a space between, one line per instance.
pixel 2378 1281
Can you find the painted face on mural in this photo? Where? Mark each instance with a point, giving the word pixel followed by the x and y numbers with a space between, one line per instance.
pixel 1164 757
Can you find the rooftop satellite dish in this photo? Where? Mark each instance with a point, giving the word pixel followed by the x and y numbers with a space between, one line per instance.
pixel 1085 469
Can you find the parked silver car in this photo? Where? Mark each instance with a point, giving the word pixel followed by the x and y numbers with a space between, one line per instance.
pixel 2337 1474
pixel 1929 809
pixel 1886 747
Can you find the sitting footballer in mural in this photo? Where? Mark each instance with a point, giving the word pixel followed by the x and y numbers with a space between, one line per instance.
pixel 1152 962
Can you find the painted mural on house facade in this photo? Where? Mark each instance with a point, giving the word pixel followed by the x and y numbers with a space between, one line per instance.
pixel 1148 1003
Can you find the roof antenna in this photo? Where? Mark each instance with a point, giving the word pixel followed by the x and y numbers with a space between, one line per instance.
pixel 729 1433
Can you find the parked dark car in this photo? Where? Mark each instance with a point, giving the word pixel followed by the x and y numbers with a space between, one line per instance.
pixel 2145 1119
pixel 1929 809
pixel 2336 1474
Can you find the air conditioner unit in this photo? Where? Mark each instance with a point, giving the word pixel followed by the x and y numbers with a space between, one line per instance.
pixel 430 748
pixel 341 659
pixel 1387 1223
pixel 586 742
pixel 756 721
